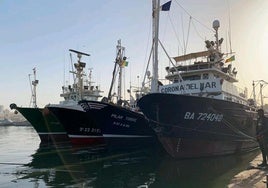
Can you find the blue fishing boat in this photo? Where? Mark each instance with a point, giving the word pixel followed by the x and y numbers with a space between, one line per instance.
pixel 200 112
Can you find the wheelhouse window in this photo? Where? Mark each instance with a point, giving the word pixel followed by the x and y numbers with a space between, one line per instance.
pixel 176 80
pixel 205 76
pixel 216 76
pixel 192 77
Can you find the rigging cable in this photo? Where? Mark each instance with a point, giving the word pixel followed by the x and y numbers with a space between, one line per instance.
pixel 146 52
pixel 203 38
pixel 143 82
pixel 188 35
pixel 193 17
pixel 173 27
pixel 225 121
pixel 239 133
pixel 183 36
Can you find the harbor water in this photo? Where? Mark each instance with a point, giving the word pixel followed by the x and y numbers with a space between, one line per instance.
pixel 26 163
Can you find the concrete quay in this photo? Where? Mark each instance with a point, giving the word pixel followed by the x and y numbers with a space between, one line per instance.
pixel 252 177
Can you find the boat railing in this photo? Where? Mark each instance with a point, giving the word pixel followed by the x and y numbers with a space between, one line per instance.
pixel 234 90
pixel 186 68
pixel 201 66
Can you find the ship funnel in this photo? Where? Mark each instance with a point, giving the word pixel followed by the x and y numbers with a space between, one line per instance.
pixel 216 24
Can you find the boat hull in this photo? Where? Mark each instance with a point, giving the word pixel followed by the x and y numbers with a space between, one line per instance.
pixel 49 129
pixel 94 123
pixel 80 126
pixel 189 126
pixel 120 127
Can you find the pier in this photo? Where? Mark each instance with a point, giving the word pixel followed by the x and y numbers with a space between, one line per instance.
pixel 252 176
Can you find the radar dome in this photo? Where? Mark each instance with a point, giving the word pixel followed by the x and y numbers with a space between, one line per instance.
pixel 216 24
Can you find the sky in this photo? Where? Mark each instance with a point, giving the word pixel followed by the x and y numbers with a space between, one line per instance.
pixel 39 33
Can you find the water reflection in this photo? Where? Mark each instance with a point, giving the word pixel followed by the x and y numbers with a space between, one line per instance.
pixel 89 167
pixel 97 167
pixel 205 172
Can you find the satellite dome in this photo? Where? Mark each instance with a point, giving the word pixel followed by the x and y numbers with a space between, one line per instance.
pixel 216 24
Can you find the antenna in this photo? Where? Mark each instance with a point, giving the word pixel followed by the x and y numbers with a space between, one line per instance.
pixel 79 53
pixel 229 32
pixel 216 25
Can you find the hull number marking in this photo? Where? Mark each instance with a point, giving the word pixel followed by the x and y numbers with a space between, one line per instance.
pixel 200 116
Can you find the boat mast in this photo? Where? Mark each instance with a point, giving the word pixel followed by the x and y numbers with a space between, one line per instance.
pixel 154 86
pixel 119 60
pixel 254 93
pixel 262 85
pixel 216 25
pixel 34 83
pixel 79 66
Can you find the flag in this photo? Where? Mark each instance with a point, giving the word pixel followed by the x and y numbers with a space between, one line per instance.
pixel 166 6
pixel 232 58
pixel 124 63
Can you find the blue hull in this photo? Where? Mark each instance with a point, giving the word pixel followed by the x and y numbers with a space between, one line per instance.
pixel 190 126
pixel 103 123
pixel 81 127
pixel 120 127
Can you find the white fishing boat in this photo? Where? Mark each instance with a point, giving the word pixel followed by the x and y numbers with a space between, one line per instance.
pixel 49 129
